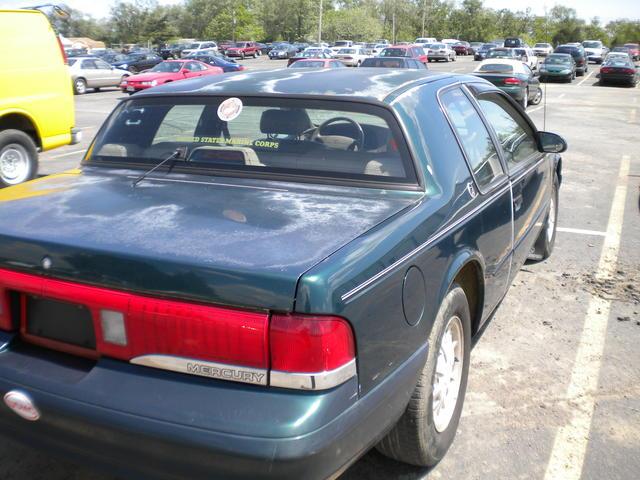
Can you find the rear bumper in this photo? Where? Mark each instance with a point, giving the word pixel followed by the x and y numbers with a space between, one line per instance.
pixel 146 422
pixel 621 78
pixel 516 92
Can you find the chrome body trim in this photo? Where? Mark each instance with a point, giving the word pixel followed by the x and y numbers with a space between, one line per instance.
pixel 314 381
pixel 430 241
pixel 203 368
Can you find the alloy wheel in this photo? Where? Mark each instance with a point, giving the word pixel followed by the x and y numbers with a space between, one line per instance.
pixel 448 374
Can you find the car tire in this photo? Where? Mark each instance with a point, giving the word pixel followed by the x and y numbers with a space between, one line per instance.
pixel 80 86
pixel 132 70
pixel 543 247
pixel 242 56
pixel 18 157
pixel 524 103
pixel 538 98
pixel 420 437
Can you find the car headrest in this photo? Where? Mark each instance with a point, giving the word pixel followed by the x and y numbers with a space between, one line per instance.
pixel 284 122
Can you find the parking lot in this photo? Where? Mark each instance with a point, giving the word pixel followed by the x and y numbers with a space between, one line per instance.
pixel 554 385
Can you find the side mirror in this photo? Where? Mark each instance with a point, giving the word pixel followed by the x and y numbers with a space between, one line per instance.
pixel 551 143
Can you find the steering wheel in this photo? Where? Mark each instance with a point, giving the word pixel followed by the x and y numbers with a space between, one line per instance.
pixel 358 143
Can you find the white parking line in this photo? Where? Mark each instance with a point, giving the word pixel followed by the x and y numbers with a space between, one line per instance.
pixel 632 115
pixel 581 231
pixel 561 95
pixel 585 78
pixel 67 154
pixel 570 445
pixel 535 109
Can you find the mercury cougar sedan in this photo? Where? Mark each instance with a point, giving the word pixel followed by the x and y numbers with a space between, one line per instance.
pixel 264 275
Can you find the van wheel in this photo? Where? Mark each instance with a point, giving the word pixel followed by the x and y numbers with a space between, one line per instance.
pixel 543 247
pixel 18 158
pixel 426 430
pixel 80 86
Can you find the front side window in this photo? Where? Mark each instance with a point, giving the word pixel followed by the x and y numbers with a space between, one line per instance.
pixel 514 133
pixel 474 137
pixel 258 136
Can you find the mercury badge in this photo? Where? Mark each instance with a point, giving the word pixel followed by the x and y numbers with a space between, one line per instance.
pixel 22 405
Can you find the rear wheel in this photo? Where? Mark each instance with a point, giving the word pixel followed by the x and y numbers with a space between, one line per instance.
pixel 543 247
pixel 18 158
pixel 80 86
pixel 427 428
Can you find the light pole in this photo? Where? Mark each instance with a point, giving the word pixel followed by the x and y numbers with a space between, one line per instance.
pixel 233 22
pixel 320 24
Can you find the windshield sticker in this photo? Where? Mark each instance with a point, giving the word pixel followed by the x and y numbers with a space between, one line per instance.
pixel 230 109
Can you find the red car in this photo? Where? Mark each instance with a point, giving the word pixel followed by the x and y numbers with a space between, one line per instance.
pixel 634 50
pixel 411 51
pixel 462 48
pixel 243 49
pixel 168 71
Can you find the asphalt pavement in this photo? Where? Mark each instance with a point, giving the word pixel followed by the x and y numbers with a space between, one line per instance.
pixel 554 383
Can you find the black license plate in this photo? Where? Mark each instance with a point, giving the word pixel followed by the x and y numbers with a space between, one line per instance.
pixel 60 321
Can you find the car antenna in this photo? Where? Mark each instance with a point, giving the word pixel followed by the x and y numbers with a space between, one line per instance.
pixel 180 152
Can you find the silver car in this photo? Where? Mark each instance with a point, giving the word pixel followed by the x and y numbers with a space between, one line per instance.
pixel 91 72
pixel 441 51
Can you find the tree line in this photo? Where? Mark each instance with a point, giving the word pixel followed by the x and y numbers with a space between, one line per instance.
pixel 145 21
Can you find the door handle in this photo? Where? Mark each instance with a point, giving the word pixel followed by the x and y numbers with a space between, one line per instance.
pixel 517 202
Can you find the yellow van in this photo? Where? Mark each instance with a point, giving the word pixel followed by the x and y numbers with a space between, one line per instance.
pixel 36 96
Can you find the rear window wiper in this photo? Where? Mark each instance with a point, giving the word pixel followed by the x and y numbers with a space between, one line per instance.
pixel 179 153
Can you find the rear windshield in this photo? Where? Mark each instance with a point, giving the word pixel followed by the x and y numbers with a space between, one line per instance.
pixel 591 44
pixel 394 52
pixel 557 60
pixel 258 137
pixel 308 64
pixel 385 62
pixel 496 68
pixel 168 67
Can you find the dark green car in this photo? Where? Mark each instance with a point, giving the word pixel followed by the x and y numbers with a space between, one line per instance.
pixel 513 77
pixel 559 66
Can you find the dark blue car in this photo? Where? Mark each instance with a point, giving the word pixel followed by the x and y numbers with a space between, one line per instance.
pixel 264 275
pixel 225 63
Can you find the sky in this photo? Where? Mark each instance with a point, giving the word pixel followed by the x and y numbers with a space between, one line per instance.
pixel 587 9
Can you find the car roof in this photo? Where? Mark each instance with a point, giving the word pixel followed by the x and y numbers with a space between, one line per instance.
pixel 370 84
pixel 517 65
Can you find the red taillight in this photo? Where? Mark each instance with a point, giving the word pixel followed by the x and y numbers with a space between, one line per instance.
pixel 5 313
pixel 512 81
pixel 628 71
pixel 606 70
pixel 310 344
pixel 64 54
pixel 302 351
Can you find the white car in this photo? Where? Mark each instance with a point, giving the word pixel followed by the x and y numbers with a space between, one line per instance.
pixel 595 51
pixel 449 41
pixel 528 57
pixel 200 48
pixel 425 40
pixel 441 51
pixel 612 55
pixel 351 57
pixel 375 48
pixel 340 44
pixel 542 49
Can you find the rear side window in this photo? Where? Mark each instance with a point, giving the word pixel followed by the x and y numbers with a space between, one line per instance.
pixel 513 131
pixel 474 137
pixel 260 136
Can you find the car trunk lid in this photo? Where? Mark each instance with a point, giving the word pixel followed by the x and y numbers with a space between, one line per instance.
pixel 225 241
